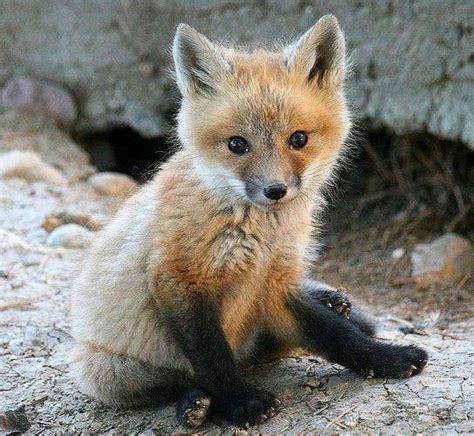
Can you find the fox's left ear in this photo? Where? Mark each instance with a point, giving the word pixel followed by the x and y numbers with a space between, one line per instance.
pixel 320 54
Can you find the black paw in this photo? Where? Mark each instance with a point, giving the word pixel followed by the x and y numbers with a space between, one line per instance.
pixel 193 408
pixel 248 407
pixel 397 362
pixel 336 301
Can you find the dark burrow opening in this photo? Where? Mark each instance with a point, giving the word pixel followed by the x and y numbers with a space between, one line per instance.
pixel 428 179
pixel 125 151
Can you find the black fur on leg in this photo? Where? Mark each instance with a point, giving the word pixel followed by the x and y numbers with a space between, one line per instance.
pixel 339 340
pixel 196 327
pixel 338 302
pixel 363 322
pixel 267 347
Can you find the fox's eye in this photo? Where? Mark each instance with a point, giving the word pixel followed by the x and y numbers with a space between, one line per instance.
pixel 238 145
pixel 298 139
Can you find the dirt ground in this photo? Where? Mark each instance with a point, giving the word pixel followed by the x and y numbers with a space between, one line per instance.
pixel 317 397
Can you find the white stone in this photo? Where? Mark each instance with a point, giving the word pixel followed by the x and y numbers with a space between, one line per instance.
pixel 398 253
pixel 28 165
pixel 70 236
pixel 447 258
pixel 113 184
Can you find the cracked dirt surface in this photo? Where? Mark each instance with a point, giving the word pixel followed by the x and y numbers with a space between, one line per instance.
pixel 317 397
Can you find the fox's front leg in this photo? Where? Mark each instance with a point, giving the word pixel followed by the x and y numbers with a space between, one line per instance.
pixel 323 331
pixel 194 322
pixel 328 296
pixel 339 302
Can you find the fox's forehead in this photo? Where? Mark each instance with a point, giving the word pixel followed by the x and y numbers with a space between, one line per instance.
pixel 263 98
pixel 260 94
pixel 258 62
pixel 262 107
pixel 260 72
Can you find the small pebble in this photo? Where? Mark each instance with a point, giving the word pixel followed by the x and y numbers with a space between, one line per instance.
pixel 311 383
pixel 70 236
pixel 146 68
pixel 398 253
pixel 351 422
pixel 113 184
pixel 54 221
pixel 14 421
pixel 28 165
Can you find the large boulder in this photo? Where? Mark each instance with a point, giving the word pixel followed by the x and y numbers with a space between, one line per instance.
pixel 448 258
pixel 413 66
pixel 30 143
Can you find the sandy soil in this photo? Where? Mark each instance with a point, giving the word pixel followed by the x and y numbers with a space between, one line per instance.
pixel 317 397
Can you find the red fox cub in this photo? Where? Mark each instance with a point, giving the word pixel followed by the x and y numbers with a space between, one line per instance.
pixel 204 268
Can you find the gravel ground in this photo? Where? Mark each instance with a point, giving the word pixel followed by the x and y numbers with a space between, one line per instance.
pixel 317 397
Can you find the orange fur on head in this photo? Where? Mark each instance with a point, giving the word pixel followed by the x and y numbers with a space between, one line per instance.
pixel 264 97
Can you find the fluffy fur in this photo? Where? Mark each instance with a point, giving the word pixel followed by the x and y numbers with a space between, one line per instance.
pixel 199 270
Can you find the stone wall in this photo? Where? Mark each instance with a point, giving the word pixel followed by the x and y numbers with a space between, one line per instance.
pixel 413 59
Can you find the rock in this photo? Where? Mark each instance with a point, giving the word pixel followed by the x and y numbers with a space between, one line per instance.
pixel 14 421
pixel 113 184
pixel 32 132
pixel 448 258
pixel 412 65
pixel 54 221
pixel 398 253
pixel 29 166
pixel 48 99
pixel 70 236
pixel 311 384
pixel 351 422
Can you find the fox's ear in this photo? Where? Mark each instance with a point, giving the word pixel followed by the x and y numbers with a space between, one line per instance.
pixel 199 64
pixel 320 54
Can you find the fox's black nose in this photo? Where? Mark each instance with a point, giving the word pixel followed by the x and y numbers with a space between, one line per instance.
pixel 275 191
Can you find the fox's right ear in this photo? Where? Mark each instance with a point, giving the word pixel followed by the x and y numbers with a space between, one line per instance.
pixel 199 64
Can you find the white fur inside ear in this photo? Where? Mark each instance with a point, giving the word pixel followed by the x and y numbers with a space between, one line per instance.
pixel 320 54
pixel 199 64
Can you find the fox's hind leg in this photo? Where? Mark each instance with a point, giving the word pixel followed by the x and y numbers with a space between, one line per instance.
pixel 121 381
pixel 267 348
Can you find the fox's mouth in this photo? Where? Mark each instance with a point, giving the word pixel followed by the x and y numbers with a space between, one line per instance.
pixel 272 205
pixel 275 206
